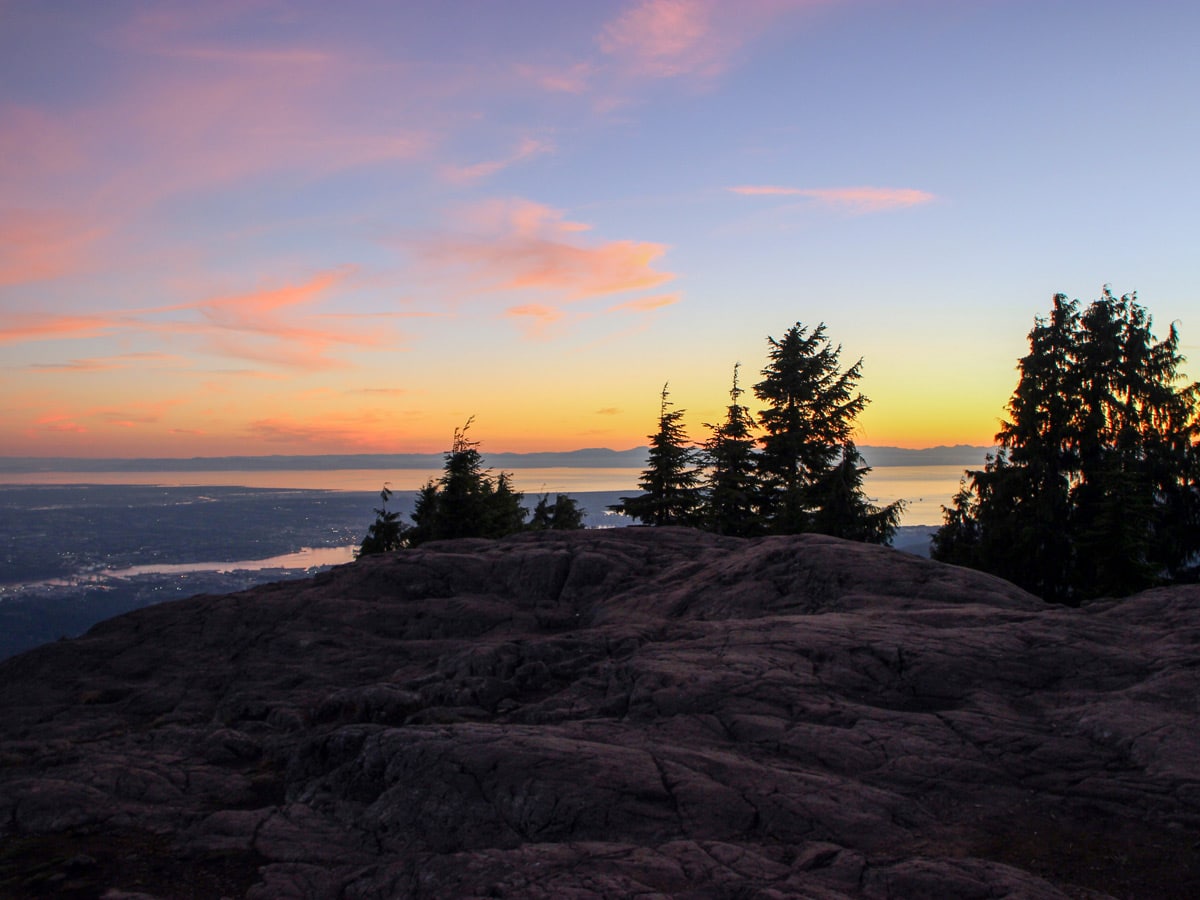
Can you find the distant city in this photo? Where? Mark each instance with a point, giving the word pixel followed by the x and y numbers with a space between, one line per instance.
pixel 75 551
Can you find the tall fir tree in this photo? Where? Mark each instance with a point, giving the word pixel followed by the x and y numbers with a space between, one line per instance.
pixel 731 485
pixel 670 483
pixel 809 421
pixel 1041 441
pixel 1094 491
pixel 1137 450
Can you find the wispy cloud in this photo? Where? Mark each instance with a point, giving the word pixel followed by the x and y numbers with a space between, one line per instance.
pixel 519 245
pixel 535 318
pixel 20 327
pixel 62 423
pixel 646 304
pixel 269 325
pixel 382 392
pixel 108 363
pixel 527 149
pixel 41 245
pixel 698 38
pixel 848 199
pixel 272 325
pixel 362 431
pixel 87 420
pixel 572 79
pixel 128 418
pixel 665 38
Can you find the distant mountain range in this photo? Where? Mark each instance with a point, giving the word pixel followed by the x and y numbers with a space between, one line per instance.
pixel 590 458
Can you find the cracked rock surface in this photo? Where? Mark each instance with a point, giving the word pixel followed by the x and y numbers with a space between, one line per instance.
pixel 609 714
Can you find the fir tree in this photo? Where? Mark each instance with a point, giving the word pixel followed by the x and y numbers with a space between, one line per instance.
pixel 561 515
pixel 809 420
pixel 466 501
pixel 1094 491
pixel 842 508
pixel 386 533
pixel 731 485
pixel 670 482
pixel 1137 451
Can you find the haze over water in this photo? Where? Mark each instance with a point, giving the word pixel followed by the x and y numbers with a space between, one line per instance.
pixel 925 489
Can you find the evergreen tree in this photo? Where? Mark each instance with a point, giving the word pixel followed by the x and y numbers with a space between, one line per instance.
pixel 984 529
pixel 670 482
pixel 561 515
pixel 466 501
pixel 386 533
pixel 730 489
pixel 1137 453
pixel 842 508
pixel 1095 489
pixel 1042 440
pixel 809 420
pixel 957 541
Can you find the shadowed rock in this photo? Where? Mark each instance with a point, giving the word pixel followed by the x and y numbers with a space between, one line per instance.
pixel 634 712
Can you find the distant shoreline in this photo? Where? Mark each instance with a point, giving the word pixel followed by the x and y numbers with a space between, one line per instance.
pixel 594 457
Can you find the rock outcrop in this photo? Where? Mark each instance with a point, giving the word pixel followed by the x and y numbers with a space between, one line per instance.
pixel 624 713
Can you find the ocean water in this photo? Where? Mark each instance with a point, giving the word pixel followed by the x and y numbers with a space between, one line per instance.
pixel 925 489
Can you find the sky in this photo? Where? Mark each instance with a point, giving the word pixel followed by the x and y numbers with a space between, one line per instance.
pixel 242 228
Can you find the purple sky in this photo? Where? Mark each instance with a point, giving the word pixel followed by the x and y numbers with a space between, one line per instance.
pixel 260 227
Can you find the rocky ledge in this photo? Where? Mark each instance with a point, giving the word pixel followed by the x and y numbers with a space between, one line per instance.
pixel 624 713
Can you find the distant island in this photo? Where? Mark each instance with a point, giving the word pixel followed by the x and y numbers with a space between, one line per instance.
pixel 588 458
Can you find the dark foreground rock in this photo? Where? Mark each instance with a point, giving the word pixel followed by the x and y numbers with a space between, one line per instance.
pixel 626 713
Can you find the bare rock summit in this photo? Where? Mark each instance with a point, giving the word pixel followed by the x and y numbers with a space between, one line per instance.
pixel 653 713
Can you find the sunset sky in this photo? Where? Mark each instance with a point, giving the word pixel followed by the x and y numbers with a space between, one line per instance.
pixel 310 227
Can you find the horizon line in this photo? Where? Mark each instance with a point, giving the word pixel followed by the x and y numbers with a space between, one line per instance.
pixel 586 457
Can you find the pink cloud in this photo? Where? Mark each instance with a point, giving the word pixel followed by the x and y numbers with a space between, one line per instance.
pixel 519 245
pixel 570 80
pixel 270 325
pixel 34 143
pixel 665 38
pixel 537 319
pixel 646 304
pixel 849 199
pixel 125 418
pixel 194 131
pixel 20 327
pixel 107 364
pixel 527 149
pixel 766 190
pixel 42 245
pixel 671 38
pixel 76 178
pixel 214 114
pixel 364 431
pixel 60 423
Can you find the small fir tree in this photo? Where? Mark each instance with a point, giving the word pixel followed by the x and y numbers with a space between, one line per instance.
pixel 670 482
pixel 731 486
pixel 386 533
pixel 562 515
pixel 466 501
pixel 842 508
